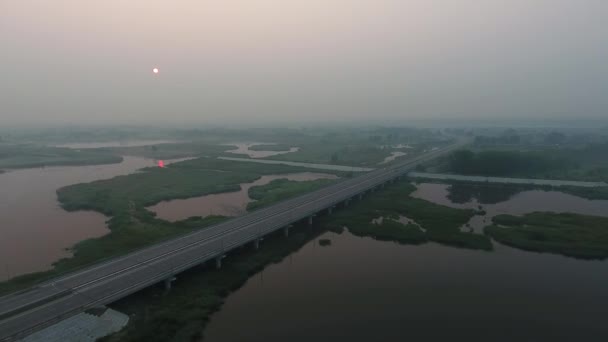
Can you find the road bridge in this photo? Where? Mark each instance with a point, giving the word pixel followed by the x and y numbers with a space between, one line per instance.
pixel 28 311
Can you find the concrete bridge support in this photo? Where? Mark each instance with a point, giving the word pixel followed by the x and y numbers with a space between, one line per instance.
pixel 256 244
pixel 286 231
pixel 360 196
pixel 218 261
pixel 310 220
pixel 330 210
pixel 346 202
pixel 168 282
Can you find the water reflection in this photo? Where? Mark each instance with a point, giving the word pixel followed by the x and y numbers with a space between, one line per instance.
pixel 361 289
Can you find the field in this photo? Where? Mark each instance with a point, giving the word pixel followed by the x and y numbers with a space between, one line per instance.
pixel 281 189
pixel 27 156
pixel 574 235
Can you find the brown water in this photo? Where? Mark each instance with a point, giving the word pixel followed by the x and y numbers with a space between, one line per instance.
pixel 360 289
pixel 35 230
pixel 243 148
pixel 519 204
pixel 227 204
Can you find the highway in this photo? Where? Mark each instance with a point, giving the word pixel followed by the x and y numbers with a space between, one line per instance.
pixel 28 311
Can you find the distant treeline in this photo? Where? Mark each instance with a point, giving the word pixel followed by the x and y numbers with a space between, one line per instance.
pixel 504 163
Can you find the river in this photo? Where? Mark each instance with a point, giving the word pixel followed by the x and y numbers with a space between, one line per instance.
pixel 361 289
pixel 35 230
pixel 226 204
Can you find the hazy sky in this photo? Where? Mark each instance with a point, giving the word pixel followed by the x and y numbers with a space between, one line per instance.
pixel 81 61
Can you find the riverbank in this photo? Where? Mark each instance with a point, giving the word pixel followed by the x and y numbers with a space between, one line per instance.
pixel 281 189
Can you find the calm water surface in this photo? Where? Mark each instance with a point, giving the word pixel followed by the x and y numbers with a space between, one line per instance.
pixel 35 230
pixel 360 289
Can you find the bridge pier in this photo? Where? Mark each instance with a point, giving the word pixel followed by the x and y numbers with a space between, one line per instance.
pixel 286 231
pixel 256 244
pixel 346 202
pixel 360 196
pixel 218 261
pixel 168 282
pixel 329 210
pixel 310 220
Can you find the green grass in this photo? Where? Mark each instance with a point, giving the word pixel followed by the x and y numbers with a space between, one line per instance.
pixel 442 224
pixel 574 235
pixel 270 147
pixel 281 189
pixel 341 154
pixel 28 156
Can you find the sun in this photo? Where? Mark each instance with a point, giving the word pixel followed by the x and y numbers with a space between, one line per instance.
pixel 155 70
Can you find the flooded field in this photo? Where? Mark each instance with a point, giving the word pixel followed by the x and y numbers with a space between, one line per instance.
pixel 35 230
pixel 227 204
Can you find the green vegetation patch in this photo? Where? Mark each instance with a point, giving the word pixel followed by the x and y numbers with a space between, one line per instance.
pixel 433 222
pixel 505 163
pixel 270 147
pixel 324 153
pixel 13 156
pixel 574 235
pixel 280 189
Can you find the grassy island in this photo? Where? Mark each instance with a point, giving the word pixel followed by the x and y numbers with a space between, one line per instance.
pixel 433 222
pixel 574 235
pixel 280 189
